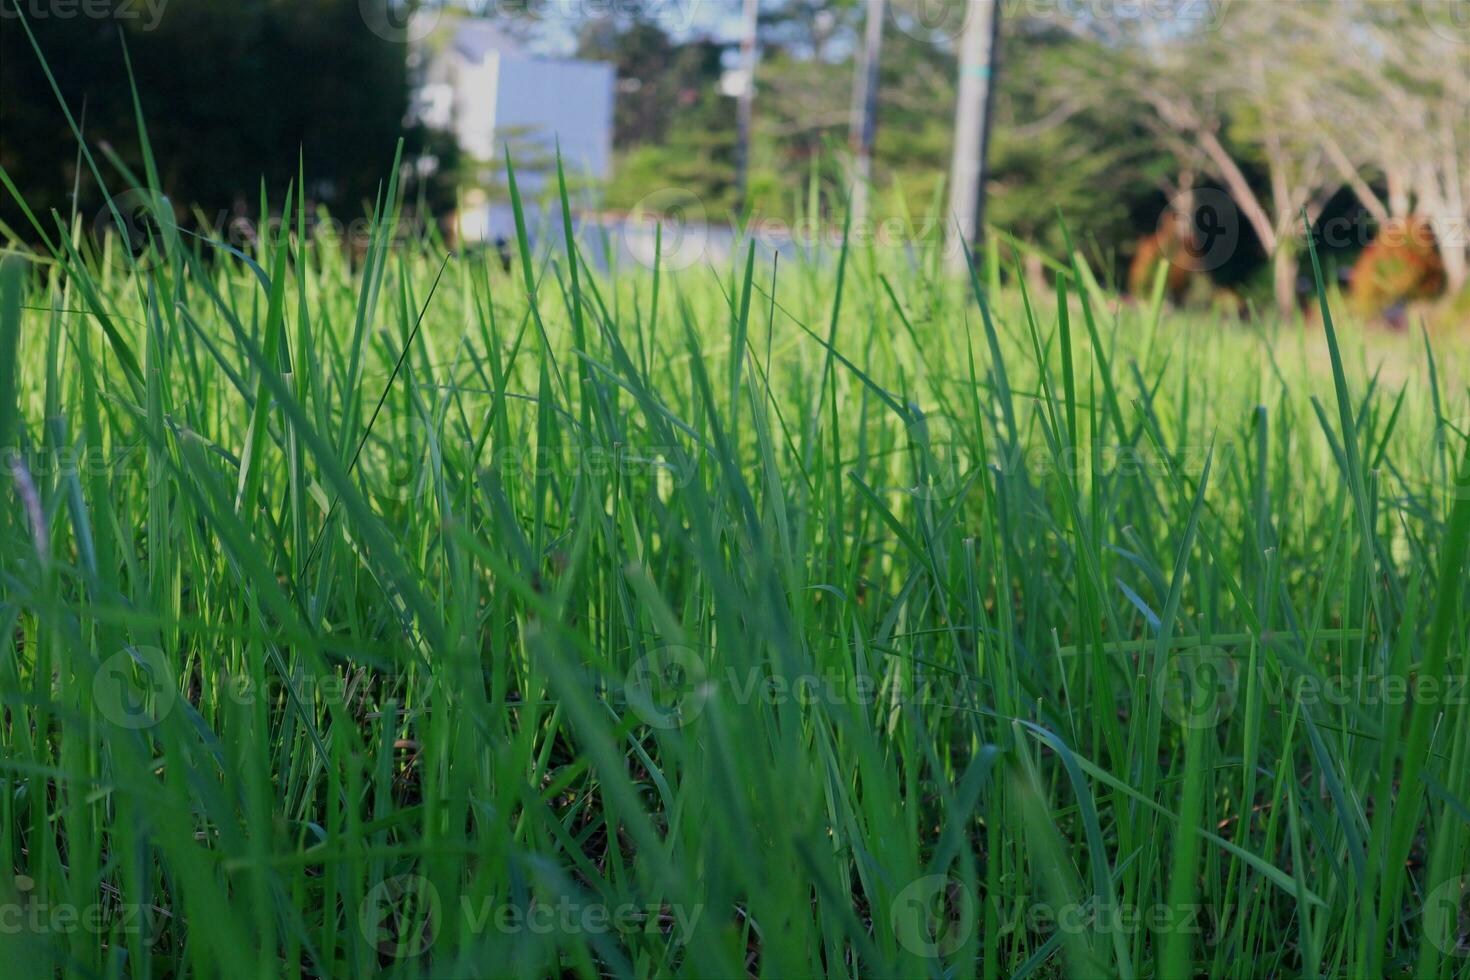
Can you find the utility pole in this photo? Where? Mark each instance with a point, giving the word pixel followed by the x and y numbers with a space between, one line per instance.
pixel 864 120
pixel 979 46
pixel 745 106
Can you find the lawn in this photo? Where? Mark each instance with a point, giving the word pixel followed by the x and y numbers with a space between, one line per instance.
pixel 390 611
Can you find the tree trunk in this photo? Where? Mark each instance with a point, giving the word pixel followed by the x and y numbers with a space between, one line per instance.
pixel 865 110
pixel 973 101
pixel 1446 216
pixel 1283 267
pixel 745 104
pixel 1035 274
pixel 1240 190
pixel 1398 193
pixel 1452 254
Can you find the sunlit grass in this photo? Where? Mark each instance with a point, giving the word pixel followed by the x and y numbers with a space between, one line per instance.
pixel 394 612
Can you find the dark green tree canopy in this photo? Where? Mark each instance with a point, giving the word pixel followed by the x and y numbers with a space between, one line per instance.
pixel 230 90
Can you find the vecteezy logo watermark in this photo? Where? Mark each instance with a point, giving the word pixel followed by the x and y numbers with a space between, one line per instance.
pixel 23 912
pixel 938 452
pixel 569 917
pixel 1447 916
pixel 570 460
pixel 81 461
pixel 135 687
pixel 1197 686
pixel 669 227
pixel 1127 918
pixel 667 687
pixel 1450 19
pixel 1199 229
pixel 143 222
pixel 360 689
pixel 147 13
pixel 1365 690
pixel 670 687
pixel 406 443
pixel 401 21
pixel 831 688
pixel 930 21
pixel 401 916
pixel 933 916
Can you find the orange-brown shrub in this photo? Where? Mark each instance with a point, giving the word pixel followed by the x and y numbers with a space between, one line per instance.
pixel 1400 265
pixel 1164 245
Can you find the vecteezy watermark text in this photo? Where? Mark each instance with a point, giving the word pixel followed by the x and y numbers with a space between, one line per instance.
pixel 146 13
pixel 25 912
pixel 403 916
pixel 934 916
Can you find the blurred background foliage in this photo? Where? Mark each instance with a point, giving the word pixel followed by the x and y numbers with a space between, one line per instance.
pixel 235 92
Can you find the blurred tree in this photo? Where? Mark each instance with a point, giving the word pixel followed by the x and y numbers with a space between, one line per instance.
pixel 1057 150
pixel 1411 127
pixel 671 126
pixel 1053 147
pixel 1218 95
pixel 810 28
pixel 657 77
pixel 697 159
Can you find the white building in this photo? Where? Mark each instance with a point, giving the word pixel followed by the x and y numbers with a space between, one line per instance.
pixel 485 88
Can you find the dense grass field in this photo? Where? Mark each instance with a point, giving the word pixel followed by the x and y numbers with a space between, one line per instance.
pixel 391 612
